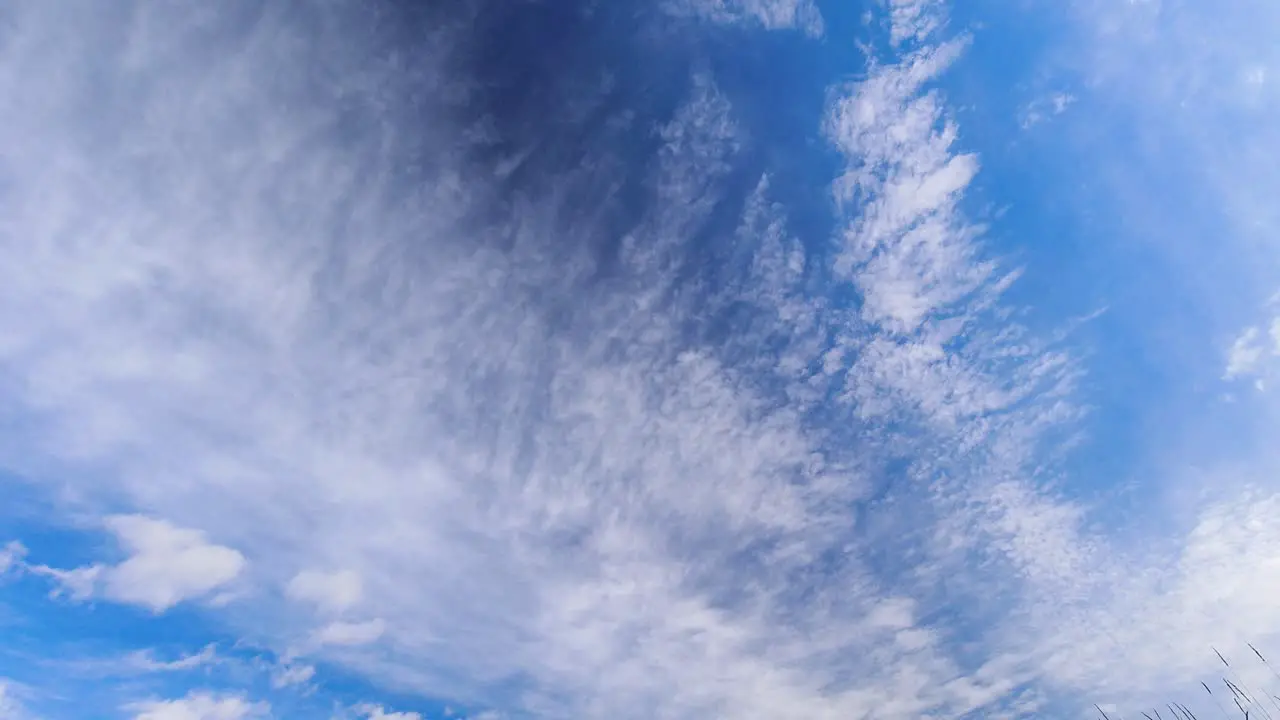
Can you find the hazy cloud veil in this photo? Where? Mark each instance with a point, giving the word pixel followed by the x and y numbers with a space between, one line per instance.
pixel 494 354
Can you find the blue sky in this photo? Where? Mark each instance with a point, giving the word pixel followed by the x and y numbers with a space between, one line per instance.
pixel 689 359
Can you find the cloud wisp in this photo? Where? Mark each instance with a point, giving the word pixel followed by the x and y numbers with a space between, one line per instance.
pixel 802 15
pixel 10 707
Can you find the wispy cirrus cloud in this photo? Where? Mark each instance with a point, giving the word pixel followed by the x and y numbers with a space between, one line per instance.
pixel 273 296
pixel 10 707
pixel 146 661
pixel 540 459
pixel 1156 621
pixel 800 15
pixel 915 20
pixel 1130 621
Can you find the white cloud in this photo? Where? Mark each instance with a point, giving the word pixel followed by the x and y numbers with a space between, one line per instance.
pixel 350 633
pixel 521 500
pixel 10 707
pixel 332 592
pixel 915 20
pixel 77 584
pixel 377 712
pixel 1255 355
pixel 1141 627
pixel 200 705
pixel 1246 355
pixel 771 14
pixel 12 554
pixel 221 291
pixel 292 675
pixel 1041 109
pixel 908 250
pixel 147 661
pixel 166 565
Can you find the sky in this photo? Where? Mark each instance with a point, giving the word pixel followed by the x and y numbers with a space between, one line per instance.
pixel 682 359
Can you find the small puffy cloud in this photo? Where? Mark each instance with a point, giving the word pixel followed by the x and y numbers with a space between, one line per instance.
pixel 200 705
pixel 377 712
pixel 1245 355
pixel 332 592
pixel 166 566
pixel 350 633
pixel 291 675
pixel 11 556
pixel 1253 354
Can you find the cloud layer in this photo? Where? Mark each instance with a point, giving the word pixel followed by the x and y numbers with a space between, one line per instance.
pixel 262 318
pixel 558 415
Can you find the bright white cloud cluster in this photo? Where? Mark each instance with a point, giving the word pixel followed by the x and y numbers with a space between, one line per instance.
pixel 908 250
pixel 166 565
